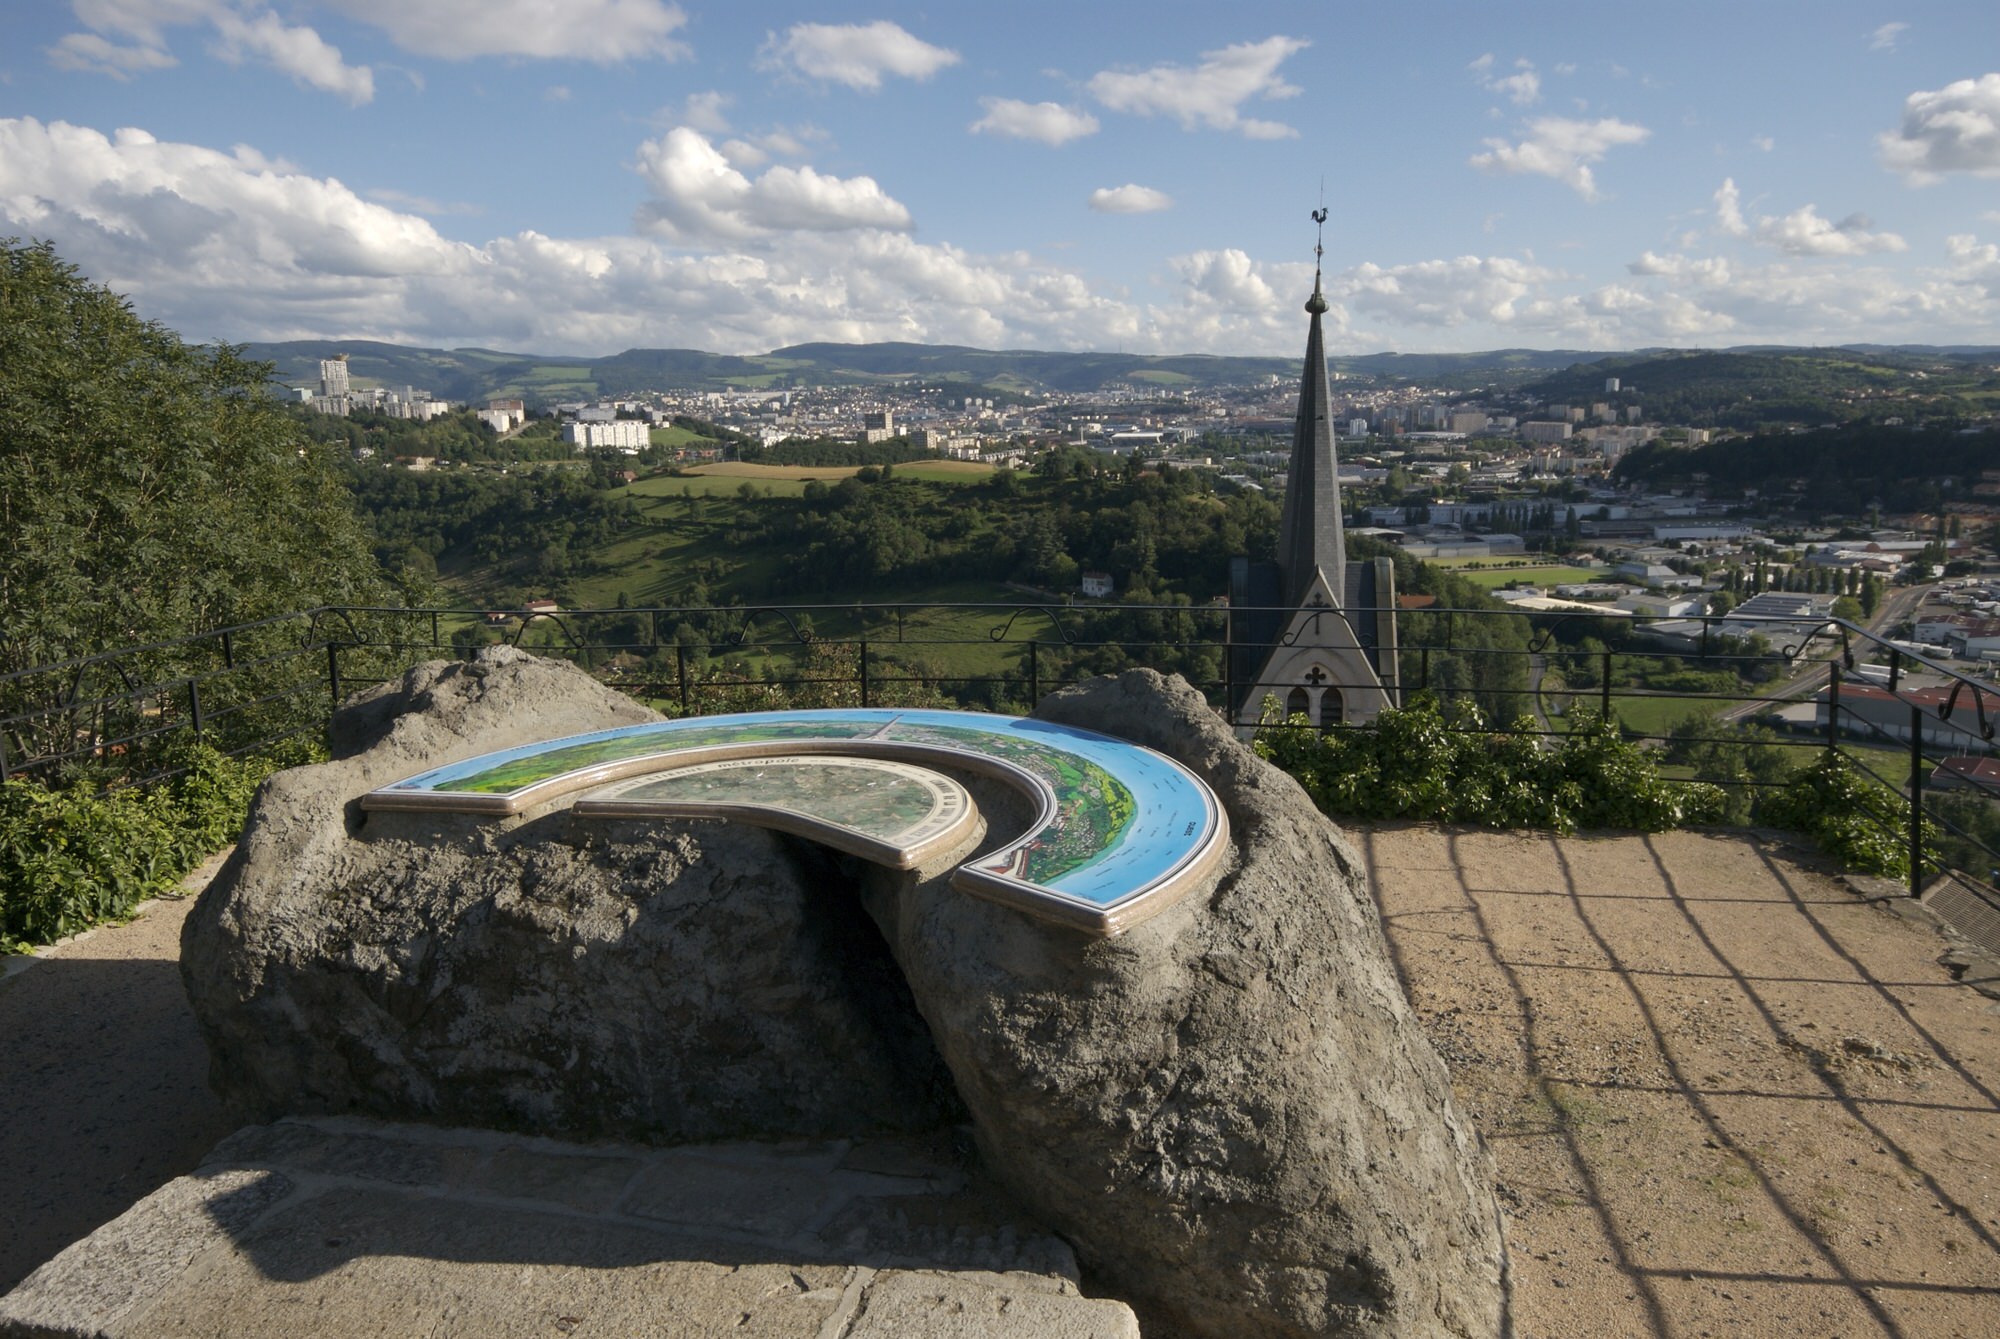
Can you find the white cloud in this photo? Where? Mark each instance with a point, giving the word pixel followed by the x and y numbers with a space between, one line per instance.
pixel 222 245
pixel 1049 122
pixel 237 245
pixel 1497 290
pixel 1763 143
pixel 1130 199
pixel 1804 233
pixel 604 31
pixel 855 54
pixel 1213 93
pixel 1561 148
pixel 1709 271
pixel 556 93
pixel 1523 88
pixel 143 21
pixel 133 207
pixel 1729 209
pixel 1952 129
pixel 92 54
pixel 244 31
pixel 700 196
pixel 1884 38
pixel 297 51
pixel 704 112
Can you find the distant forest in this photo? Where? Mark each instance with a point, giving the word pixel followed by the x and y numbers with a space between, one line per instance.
pixel 1836 471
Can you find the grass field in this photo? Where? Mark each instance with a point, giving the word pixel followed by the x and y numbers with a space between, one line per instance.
pixel 1491 578
pixel 726 478
pixel 675 435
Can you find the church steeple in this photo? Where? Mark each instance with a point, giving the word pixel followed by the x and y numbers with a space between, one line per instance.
pixel 1311 536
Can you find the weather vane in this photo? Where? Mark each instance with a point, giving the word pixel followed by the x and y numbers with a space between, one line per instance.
pixel 1319 246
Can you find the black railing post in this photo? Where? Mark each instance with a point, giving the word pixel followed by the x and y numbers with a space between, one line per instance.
pixel 681 674
pixel 1424 671
pixel 864 671
pixel 1833 707
pixel 1034 674
pixel 194 706
pixel 5 773
pixel 1916 800
pixel 333 671
pixel 1228 679
pixel 228 651
pixel 435 643
pixel 1895 667
pixel 1604 687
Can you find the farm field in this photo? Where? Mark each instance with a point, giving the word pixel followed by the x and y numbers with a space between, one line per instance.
pixel 1492 578
pixel 726 478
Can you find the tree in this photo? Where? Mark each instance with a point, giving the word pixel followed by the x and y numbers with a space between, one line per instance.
pixel 149 489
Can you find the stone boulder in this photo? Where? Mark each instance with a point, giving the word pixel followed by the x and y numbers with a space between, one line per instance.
pixel 657 981
pixel 1228 1110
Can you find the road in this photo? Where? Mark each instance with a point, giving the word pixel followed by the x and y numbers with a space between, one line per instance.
pixel 1892 611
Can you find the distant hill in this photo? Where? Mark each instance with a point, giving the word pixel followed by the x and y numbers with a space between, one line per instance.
pixel 1713 379
pixel 1750 388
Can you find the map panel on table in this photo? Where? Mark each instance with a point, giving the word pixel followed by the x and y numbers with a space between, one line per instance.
pixel 1119 829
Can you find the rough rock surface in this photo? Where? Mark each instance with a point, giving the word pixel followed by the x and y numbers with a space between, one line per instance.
pixel 1229 1110
pixel 346 1229
pixel 663 981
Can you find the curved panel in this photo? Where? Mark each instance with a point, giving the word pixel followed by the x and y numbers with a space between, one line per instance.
pixel 889 812
pixel 1120 830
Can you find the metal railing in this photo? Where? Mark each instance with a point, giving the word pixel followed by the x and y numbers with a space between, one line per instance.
pixel 116 716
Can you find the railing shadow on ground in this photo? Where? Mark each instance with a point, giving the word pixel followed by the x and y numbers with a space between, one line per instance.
pixel 1634 980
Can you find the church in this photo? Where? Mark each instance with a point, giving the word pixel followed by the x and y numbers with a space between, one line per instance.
pixel 1309 631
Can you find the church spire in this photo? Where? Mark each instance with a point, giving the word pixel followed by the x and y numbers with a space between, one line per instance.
pixel 1311 535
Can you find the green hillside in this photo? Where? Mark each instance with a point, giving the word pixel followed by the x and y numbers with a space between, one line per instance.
pixel 1749 389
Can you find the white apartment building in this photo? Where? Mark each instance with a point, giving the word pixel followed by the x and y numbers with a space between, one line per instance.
pixel 620 434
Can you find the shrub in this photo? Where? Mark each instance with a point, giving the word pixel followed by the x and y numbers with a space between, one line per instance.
pixel 1854 820
pixel 1428 761
pixel 73 856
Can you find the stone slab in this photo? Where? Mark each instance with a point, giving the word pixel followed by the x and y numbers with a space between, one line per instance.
pixel 349 1228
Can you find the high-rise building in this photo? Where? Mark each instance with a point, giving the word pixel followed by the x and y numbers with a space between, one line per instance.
pixel 1309 631
pixel 333 376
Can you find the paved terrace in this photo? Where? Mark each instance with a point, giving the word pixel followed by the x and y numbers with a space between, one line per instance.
pixel 1728 1095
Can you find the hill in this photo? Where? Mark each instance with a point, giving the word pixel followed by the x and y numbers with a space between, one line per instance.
pixel 1726 388
pixel 540 379
pixel 1755 388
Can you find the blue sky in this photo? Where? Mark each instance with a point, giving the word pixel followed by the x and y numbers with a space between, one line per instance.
pixel 583 176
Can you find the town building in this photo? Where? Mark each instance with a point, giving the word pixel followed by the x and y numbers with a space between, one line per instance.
pixel 625 434
pixel 333 376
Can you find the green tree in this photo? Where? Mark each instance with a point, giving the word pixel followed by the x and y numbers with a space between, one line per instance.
pixel 149 489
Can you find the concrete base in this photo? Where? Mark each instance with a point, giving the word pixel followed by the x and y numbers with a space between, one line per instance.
pixel 337 1227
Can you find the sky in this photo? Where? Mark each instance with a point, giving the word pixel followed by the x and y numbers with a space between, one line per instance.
pixel 585 176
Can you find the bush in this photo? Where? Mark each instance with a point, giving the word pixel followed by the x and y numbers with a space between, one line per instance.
pixel 1854 820
pixel 73 856
pixel 1427 761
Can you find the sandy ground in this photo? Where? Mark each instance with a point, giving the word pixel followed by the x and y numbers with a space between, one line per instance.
pixel 103 1083
pixel 1726 1095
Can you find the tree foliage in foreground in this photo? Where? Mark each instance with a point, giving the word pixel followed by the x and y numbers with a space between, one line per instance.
pixel 148 489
